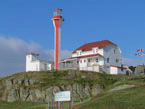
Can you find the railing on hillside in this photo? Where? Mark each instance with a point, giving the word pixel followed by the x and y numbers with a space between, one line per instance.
pixel 68 67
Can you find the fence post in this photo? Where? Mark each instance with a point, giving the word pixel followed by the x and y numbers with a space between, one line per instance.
pixel 57 105
pixel 52 104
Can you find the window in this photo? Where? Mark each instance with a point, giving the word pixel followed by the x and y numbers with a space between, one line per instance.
pixel 121 67
pixel 45 66
pixel 107 60
pixel 114 51
pixel 96 59
pixel 93 50
pixel 117 60
pixel 96 50
pixel 84 60
pixel 89 60
pixel 80 61
pixel 79 53
pixel 77 61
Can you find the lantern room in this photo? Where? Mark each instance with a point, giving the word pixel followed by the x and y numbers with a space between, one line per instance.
pixel 57 12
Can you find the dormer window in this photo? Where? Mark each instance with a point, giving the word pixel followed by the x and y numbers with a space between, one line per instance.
pixel 79 53
pixel 95 50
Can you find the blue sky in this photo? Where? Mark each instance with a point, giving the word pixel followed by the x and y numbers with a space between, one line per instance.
pixel 120 21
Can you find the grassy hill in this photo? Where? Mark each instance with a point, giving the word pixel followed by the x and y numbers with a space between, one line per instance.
pixel 130 98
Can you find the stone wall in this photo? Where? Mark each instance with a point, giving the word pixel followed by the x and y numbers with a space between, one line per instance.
pixel 18 89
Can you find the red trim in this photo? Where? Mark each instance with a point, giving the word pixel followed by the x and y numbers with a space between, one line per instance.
pixel 89 46
pixel 92 55
pixel 117 66
pixel 57 16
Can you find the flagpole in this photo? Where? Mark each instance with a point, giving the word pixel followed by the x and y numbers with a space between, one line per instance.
pixel 141 50
pixel 143 64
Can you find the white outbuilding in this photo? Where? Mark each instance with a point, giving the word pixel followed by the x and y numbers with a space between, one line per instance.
pixel 33 64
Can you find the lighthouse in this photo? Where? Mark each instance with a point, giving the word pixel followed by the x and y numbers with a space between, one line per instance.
pixel 57 21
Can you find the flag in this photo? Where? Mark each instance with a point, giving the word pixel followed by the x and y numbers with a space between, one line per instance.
pixel 139 50
pixel 137 54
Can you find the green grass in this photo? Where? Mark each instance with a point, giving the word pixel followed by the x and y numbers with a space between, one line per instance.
pixel 131 98
pixel 28 105
pixel 22 105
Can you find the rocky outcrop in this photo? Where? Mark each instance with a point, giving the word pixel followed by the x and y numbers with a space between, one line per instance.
pixel 96 90
pixel 20 89
pixel 13 95
pixel 121 87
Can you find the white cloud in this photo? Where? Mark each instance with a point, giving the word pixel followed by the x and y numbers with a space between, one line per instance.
pixel 12 54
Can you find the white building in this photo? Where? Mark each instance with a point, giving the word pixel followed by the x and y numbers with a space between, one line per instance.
pixel 33 64
pixel 101 56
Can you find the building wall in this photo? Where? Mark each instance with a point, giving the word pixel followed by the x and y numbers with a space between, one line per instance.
pixel 109 53
pixel 86 63
pixel 45 66
pixel 33 64
pixel 100 51
pixel 115 70
pixel 122 72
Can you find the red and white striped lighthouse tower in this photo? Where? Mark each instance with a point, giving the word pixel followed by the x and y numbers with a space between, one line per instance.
pixel 57 21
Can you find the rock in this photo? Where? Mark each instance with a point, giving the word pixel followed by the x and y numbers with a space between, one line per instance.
pixel 55 88
pixel 20 82
pixel 80 90
pixel 49 94
pixel 74 95
pixel 87 90
pixel 9 84
pixel 27 82
pixel 121 87
pixel 38 95
pixel 32 96
pixel 4 97
pixel 25 94
pixel 69 88
pixel 13 95
pixel 43 96
pixel 96 90
pixel 32 81
pixel 62 88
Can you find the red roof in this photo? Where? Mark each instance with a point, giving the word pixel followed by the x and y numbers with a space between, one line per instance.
pixel 89 46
